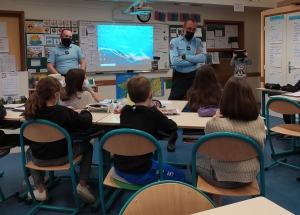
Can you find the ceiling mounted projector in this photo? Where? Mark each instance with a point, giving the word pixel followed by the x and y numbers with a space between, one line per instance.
pixel 141 10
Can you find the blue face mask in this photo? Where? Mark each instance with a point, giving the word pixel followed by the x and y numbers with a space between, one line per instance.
pixel 240 58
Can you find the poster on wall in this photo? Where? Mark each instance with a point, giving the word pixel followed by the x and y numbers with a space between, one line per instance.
pixel 33 26
pixel 47 51
pixel 35 51
pixel 35 39
pixel 52 40
pixel 121 84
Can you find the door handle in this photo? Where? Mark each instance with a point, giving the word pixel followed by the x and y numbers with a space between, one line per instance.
pixel 290 67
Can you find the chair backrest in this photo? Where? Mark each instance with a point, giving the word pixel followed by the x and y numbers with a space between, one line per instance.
pixel 167 197
pixel 228 146
pixel 283 106
pixel 129 142
pixel 43 131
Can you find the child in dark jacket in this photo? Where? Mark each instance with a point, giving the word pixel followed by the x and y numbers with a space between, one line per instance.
pixel 143 169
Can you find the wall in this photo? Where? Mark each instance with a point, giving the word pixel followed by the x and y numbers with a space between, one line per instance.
pixel 97 11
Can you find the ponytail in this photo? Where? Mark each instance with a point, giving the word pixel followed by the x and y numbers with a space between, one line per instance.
pixel 34 106
pixel 45 90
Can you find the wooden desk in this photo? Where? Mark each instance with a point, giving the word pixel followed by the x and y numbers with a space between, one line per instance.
pixel 296 99
pixel 264 91
pixel 258 206
pixel 13 115
pixel 99 116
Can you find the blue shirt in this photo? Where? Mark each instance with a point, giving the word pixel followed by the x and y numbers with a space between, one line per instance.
pixel 65 58
pixel 179 46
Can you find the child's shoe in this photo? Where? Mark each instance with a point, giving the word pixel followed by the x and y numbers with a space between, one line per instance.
pixel 39 196
pixel 85 193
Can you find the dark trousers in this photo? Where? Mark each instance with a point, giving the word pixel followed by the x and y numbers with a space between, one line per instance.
pixel 181 82
pixel 286 118
pixel 9 139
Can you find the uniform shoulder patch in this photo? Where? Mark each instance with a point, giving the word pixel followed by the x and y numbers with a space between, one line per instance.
pixel 171 46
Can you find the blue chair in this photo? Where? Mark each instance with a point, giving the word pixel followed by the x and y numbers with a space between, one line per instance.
pixel 2 197
pixel 287 106
pixel 230 147
pixel 43 131
pixel 126 142
pixel 167 197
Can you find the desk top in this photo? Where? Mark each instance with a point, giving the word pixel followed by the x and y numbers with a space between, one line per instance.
pixel 271 90
pixel 13 115
pixel 175 105
pixel 258 205
pixel 183 120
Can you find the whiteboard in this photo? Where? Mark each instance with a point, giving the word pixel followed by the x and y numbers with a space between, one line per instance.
pixel 89 46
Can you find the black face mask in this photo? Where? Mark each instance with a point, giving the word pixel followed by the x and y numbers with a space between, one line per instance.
pixel 189 35
pixel 66 41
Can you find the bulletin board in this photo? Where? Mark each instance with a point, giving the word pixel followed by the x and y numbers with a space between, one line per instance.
pixel 41 36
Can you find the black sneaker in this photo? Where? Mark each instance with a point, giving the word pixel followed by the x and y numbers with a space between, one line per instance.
pixel 171 147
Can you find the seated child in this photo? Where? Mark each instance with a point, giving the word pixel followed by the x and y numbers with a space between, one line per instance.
pixel 75 95
pixel 238 113
pixel 7 140
pixel 206 90
pixel 42 105
pixel 143 169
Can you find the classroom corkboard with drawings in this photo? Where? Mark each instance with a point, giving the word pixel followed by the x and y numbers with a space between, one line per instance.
pixel 41 36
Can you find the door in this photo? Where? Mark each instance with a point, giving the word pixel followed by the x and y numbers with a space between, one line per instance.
pixel 293 48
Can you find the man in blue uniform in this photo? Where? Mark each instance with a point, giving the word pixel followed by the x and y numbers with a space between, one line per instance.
pixel 65 56
pixel 186 53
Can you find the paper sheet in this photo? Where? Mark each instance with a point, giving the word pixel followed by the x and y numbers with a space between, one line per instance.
pixel 4 46
pixel 35 62
pixel 275 56
pixel 210 44
pixel 296 31
pixel 165 102
pixel 210 35
pixel 231 31
pixel 198 33
pixel 7 63
pixel 276 31
pixel 234 45
pixel 238 7
pixel 215 58
pixel 218 33
pixel 296 61
pixel 221 42
pixel 275 77
pixel 10 83
pixel 296 77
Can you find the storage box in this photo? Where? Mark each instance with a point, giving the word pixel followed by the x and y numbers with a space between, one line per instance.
pixel 288 3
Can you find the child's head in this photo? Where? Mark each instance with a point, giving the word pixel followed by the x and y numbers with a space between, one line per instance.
pixel 47 90
pixel 238 102
pixel 139 89
pixel 74 81
pixel 205 75
pixel 205 90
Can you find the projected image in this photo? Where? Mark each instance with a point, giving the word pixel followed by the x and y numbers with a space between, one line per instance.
pixel 124 47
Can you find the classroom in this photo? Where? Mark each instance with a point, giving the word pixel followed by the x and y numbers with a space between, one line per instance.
pixel 265 32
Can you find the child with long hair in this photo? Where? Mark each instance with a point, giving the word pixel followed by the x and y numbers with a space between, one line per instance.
pixel 238 113
pixel 42 105
pixel 206 90
pixel 75 95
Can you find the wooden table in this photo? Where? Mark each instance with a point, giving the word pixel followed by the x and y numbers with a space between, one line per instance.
pixel 13 115
pixel 257 206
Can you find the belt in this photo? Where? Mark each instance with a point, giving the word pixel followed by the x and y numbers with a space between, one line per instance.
pixel 187 74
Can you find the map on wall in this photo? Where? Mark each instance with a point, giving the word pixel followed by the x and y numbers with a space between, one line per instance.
pixel 157 86
pixel 121 84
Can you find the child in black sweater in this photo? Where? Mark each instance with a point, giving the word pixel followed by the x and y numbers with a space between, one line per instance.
pixel 143 169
